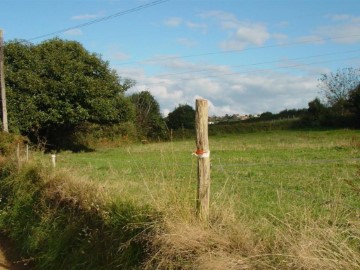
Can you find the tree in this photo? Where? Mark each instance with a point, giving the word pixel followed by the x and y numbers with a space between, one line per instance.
pixel 57 85
pixel 267 116
pixel 182 117
pixel 149 120
pixel 336 87
pixel 316 108
pixel 354 102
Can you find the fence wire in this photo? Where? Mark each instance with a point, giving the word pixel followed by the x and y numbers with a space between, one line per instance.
pixel 221 166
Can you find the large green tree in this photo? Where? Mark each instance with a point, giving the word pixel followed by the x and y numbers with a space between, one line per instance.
pixel 182 116
pixel 149 121
pixel 58 85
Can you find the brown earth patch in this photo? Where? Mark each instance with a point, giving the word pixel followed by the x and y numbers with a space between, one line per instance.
pixel 9 259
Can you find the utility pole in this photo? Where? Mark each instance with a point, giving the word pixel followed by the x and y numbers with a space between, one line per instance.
pixel 2 85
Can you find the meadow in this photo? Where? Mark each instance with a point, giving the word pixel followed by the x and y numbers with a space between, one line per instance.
pixel 261 174
pixel 279 200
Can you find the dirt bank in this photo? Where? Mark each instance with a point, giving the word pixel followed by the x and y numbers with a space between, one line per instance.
pixel 8 257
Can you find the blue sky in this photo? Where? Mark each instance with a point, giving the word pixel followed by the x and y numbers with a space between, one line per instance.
pixel 245 57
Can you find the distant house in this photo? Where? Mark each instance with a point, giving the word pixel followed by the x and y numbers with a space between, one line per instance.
pixel 244 117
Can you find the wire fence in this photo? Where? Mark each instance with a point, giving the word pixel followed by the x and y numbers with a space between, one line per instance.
pixel 220 167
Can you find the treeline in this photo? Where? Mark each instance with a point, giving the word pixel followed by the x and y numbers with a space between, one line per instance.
pixel 341 105
pixel 338 108
pixel 61 96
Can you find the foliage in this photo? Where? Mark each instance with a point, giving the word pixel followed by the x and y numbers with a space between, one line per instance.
pixel 149 121
pixel 182 116
pixel 337 86
pixel 241 127
pixel 57 85
pixel 267 116
pixel 354 102
pixel 316 108
pixel 316 114
pixel 9 142
pixel 340 90
pixel 95 135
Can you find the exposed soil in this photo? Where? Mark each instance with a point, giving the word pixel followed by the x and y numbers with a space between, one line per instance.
pixel 8 257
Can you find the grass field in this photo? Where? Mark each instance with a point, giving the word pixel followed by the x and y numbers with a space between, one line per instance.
pixel 279 200
pixel 260 173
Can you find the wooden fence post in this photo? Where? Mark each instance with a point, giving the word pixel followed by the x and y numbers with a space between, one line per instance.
pixel 203 154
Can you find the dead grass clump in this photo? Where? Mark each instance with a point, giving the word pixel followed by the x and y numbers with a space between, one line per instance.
pixel 316 247
pixel 185 243
pixel 78 194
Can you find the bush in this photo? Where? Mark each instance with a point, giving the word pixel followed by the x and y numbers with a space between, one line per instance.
pixel 88 136
pixel 9 142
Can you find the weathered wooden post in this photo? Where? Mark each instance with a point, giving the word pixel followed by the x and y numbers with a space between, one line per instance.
pixel 203 154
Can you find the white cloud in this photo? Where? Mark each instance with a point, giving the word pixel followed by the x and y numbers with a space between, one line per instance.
pixel 343 29
pixel 201 26
pixel 280 38
pixel 120 56
pixel 227 20
pixel 87 16
pixel 246 35
pixel 344 17
pixel 283 24
pixel 241 34
pixel 344 33
pixel 303 68
pixel 74 32
pixel 187 42
pixel 173 21
pixel 176 21
pixel 339 17
pixel 246 93
pixel 311 39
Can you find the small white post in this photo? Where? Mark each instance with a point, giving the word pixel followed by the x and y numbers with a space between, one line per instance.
pixel 53 160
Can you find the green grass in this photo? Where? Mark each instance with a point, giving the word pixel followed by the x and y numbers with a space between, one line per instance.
pixel 279 200
pixel 262 173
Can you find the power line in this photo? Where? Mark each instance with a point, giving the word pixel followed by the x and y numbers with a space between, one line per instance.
pixel 257 64
pixel 238 50
pixel 254 71
pixel 118 14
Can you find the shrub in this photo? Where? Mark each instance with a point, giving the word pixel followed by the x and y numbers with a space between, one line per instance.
pixel 9 142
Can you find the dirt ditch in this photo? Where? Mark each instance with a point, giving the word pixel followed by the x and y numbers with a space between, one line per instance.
pixel 8 257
